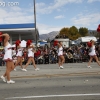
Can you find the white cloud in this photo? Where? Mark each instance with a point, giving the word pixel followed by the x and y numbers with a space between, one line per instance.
pixel 41 8
pixel 90 1
pixel 20 19
pixel 86 20
pixel 40 4
pixel 0 0
pixel 58 10
pixel 59 17
pixel 15 15
pixel 3 13
pixel 43 29
pixel 46 9
pixel 16 8
pixel 59 3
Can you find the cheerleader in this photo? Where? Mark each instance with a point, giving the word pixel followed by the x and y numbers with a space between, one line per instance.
pixel 61 58
pixel 19 54
pixel 30 48
pixel 92 53
pixel 7 58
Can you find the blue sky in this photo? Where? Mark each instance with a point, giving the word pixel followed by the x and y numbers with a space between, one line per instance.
pixel 52 15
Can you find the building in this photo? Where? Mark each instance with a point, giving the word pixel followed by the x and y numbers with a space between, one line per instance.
pixel 84 40
pixel 65 42
pixel 20 31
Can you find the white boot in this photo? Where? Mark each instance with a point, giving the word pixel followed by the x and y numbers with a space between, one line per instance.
pixel 10 82
pixel 3 78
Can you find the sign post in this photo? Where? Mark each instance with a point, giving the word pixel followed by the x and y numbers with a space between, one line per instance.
pixel 35 22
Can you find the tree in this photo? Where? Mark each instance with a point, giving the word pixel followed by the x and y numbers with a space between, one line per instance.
pixel 64 31
pixel 83 31
pixel 73 33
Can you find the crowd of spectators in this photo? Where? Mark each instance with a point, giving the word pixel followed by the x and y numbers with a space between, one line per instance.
pixel 73 54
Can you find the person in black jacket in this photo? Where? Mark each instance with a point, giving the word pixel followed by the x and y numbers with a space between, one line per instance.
pixel 46 58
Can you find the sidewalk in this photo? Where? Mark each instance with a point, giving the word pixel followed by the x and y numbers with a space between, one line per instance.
pixel 50 70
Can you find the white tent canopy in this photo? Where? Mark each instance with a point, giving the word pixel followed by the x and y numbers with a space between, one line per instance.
pixel 23 44
pixel 73 42
pixel 86 39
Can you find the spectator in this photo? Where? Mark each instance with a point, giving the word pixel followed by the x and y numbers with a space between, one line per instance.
pixel 70 57
pixel 70 50
pixel 53 58
pixel 46 58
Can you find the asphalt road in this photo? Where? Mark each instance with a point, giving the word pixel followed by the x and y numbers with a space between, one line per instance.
pixel 71 83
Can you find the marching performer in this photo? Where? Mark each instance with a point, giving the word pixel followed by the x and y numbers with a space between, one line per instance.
pixel 19 51
pixel 7 58
pixel 61 58
pixel 92 53
pixel 30 49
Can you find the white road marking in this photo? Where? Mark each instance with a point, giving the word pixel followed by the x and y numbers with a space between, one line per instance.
pixel 48 96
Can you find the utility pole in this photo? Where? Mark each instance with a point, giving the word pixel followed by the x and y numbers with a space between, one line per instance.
pixel 35 22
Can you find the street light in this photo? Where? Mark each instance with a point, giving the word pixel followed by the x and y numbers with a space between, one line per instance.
pixel 35 21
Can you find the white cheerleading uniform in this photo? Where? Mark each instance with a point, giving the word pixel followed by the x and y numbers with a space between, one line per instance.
pixel 60 51
pixel 8 52
pixel 92 53
pixel 30 52
pixel 20 52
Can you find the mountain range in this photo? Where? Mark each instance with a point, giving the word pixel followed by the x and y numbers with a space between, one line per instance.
pixel 50 35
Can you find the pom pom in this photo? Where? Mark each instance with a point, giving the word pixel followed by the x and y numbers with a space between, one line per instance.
pixel 31 41
pixel 0 33
pixel 89 44
pixel 0 37
pixel 55 43
pixel 28 42
pixel 98 29
pixel 17 42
